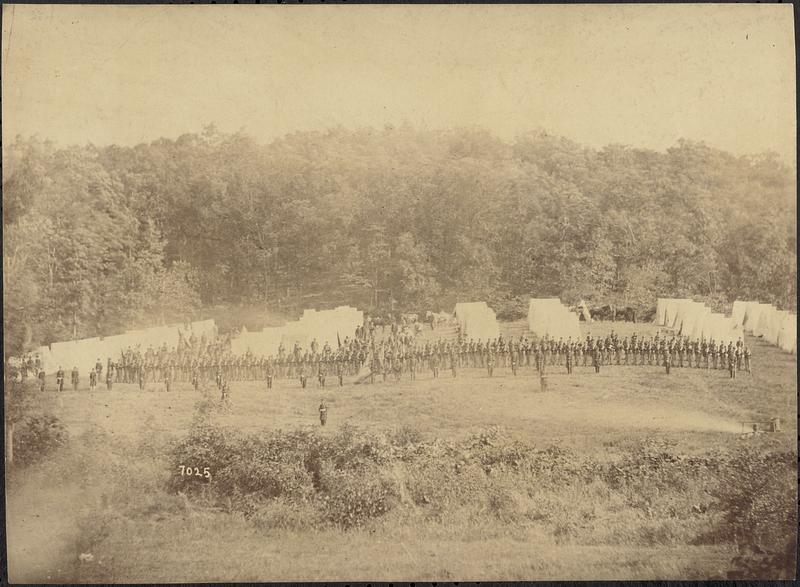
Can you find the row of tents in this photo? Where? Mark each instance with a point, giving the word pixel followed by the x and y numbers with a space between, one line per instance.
pixel 546 317
pixel 694 319
pixel 85 352
pixel 325 326
pixel 778 327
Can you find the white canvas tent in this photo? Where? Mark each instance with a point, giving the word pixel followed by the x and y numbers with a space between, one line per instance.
pixel 477 321
pixel 549 317
pixel 667 310
pixel 787 336
pixel 738 311
pixel 699 324
pixel 688 316
pixel 765 319
pixel 752 316
pixel 661 311
pixel 775 324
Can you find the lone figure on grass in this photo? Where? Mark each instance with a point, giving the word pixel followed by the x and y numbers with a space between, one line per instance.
pixel 323 412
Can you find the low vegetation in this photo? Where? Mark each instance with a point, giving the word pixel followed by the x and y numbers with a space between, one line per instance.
pixel 487 485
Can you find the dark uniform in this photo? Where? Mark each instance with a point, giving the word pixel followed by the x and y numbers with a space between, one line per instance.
pixel 323 413
pixel 74 379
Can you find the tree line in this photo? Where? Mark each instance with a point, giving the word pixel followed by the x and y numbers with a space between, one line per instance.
pixel 100 239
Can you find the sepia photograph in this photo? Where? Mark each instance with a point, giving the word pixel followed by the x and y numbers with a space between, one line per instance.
pixel 311 293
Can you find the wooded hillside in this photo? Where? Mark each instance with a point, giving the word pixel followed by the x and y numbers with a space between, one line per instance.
pixel 101 239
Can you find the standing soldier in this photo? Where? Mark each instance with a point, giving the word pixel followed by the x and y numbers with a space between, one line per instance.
pixel 109 379
pixel 747 359
pixel 195 380
pixel 513 357
pixel 167 382
pixel 141 374
pixel 323 412
pixel 596 359
pixel 434 361
pixel 74 379
pixel 322 372
pixel 41 376
pixel 303 375
pixel 668 361
pixel 569 360
pixel 732 363
pixel 453 363
pixel 98 366
pixel 269 373
pixel 490 362
pixel 92 380
pixel 412 365
pixel 387 366
pixel 60 379
pixel 340 371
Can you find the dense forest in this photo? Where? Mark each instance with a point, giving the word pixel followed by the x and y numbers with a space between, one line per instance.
pixel 97 240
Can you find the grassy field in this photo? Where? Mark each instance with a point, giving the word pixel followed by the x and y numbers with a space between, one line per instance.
pixel 106 491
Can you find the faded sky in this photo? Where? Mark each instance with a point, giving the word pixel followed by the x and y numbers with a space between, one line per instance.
pixel 638 75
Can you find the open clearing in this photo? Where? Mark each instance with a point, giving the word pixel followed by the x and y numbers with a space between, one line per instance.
pixel 695 410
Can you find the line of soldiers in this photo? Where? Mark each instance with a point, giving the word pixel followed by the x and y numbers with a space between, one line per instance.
pixel 398 354
pixel 394 360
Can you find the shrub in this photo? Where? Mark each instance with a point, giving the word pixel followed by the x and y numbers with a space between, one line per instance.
pixel 351 498
pixel 36 437
pixel 757 495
